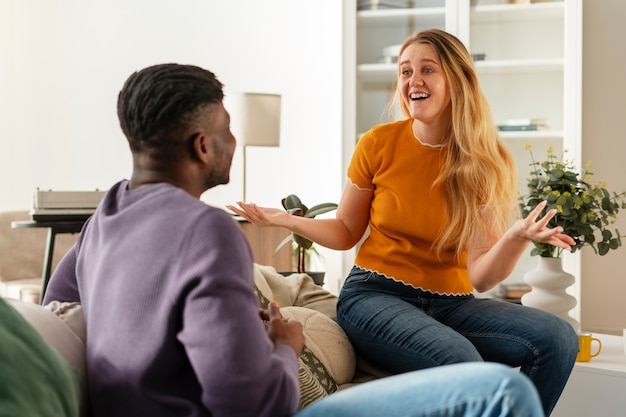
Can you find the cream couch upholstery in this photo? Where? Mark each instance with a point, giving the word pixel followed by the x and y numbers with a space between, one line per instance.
pixel 21 256
pixel 328 364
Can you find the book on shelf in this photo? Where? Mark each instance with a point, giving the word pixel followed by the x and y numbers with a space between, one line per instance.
pixel 521 128
pixel 510 291
pixel 526 121
pixel 523 124
pixel 381 4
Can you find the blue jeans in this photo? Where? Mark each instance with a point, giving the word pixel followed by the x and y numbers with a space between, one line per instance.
pixel 469 390
pixel 399 328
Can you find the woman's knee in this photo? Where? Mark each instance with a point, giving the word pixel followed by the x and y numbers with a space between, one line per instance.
pixel 561 335
pixel 568 340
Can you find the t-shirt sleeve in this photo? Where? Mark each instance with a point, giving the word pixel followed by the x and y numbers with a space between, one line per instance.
pixel 237 366
pixel 359 170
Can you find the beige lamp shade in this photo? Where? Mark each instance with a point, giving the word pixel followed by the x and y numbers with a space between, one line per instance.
pixel 254 118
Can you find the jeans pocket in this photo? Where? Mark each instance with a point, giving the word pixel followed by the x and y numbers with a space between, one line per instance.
pixel 357 276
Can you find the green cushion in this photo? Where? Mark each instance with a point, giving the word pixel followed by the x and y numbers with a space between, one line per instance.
pixel 34 379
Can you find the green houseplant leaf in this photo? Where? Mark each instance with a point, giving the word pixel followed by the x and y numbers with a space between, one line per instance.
pixel 584 211
pixel 294 206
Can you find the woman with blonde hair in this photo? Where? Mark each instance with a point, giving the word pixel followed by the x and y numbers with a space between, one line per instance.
pixel 437 194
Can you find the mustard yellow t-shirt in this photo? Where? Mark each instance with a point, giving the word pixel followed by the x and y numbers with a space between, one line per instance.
pixel 406 213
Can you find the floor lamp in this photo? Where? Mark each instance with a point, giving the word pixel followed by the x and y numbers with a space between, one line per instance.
pixel 254 121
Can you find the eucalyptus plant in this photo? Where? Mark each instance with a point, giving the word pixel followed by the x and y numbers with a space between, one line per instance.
pixel 293 205
pixel 582 209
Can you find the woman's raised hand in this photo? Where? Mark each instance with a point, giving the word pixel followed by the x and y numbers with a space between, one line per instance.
pixel 260 216
pixel 537 231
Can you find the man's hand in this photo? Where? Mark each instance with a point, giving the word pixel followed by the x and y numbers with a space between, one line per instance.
pixel 282 331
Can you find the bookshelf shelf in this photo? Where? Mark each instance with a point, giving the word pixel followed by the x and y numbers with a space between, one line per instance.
pixel 532 135
pixel 517 12
pixel 385 72
pixel 519 65
pixel 428 15
pixel 377 71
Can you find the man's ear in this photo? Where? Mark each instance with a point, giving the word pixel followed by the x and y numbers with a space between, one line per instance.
pixel 201 147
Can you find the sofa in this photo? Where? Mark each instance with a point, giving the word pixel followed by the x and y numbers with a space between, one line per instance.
pixel 22 254
pixel 327 364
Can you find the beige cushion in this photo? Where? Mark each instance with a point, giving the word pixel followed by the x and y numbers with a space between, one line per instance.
pixel 55 331
pixel 62 326
pixel 294 290
pixel 327 341
pixel 34 379
pixel 328 360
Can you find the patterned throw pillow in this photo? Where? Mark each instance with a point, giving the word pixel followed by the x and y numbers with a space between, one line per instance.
pixel 328 359
pixel 315 380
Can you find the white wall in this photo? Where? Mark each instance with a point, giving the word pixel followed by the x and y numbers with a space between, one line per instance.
pixel 603 278
pixel 64 61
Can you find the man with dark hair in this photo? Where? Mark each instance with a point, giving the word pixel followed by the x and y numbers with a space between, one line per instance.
pixel 166 285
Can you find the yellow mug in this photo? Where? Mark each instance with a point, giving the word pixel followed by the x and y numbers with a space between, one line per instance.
pixel 584 347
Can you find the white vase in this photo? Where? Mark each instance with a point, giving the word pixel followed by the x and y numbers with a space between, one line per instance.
pixel 549 283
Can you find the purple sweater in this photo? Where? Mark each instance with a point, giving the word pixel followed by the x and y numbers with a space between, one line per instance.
pixel 166 286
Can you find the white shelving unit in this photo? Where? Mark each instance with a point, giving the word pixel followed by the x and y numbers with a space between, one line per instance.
pixel 597 387
pixel 376 30
pixel 531 69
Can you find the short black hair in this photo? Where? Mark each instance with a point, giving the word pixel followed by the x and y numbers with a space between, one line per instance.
pixel 158 104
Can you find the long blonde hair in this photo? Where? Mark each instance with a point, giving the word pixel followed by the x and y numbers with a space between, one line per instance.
pixel 478 178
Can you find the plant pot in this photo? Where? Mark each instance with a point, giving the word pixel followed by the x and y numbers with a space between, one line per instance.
pixel 318 277
pixel 549 283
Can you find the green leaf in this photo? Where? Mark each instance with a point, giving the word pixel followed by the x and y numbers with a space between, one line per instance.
pixel 556 174
pixel 320 209
pixel 292 201
pixel 283 242
pixel 296 212
pixel 301 241
pixel 294 206
pixel 603 248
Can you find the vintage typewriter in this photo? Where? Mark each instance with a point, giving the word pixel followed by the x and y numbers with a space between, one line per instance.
pixel 64 205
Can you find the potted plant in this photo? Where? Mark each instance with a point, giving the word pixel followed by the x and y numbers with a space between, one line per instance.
pixel 586 213
pixel 302 246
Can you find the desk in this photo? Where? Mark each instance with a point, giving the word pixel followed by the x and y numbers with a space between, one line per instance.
pixel 597 388
pixel 54 228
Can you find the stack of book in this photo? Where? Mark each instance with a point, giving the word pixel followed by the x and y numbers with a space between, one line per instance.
pixel 516 125
pixel 512 292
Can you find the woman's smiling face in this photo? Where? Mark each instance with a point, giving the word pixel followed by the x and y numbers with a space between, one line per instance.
pixel 424 86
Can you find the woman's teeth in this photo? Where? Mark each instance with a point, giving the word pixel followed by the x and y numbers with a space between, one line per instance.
pixel 418 96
